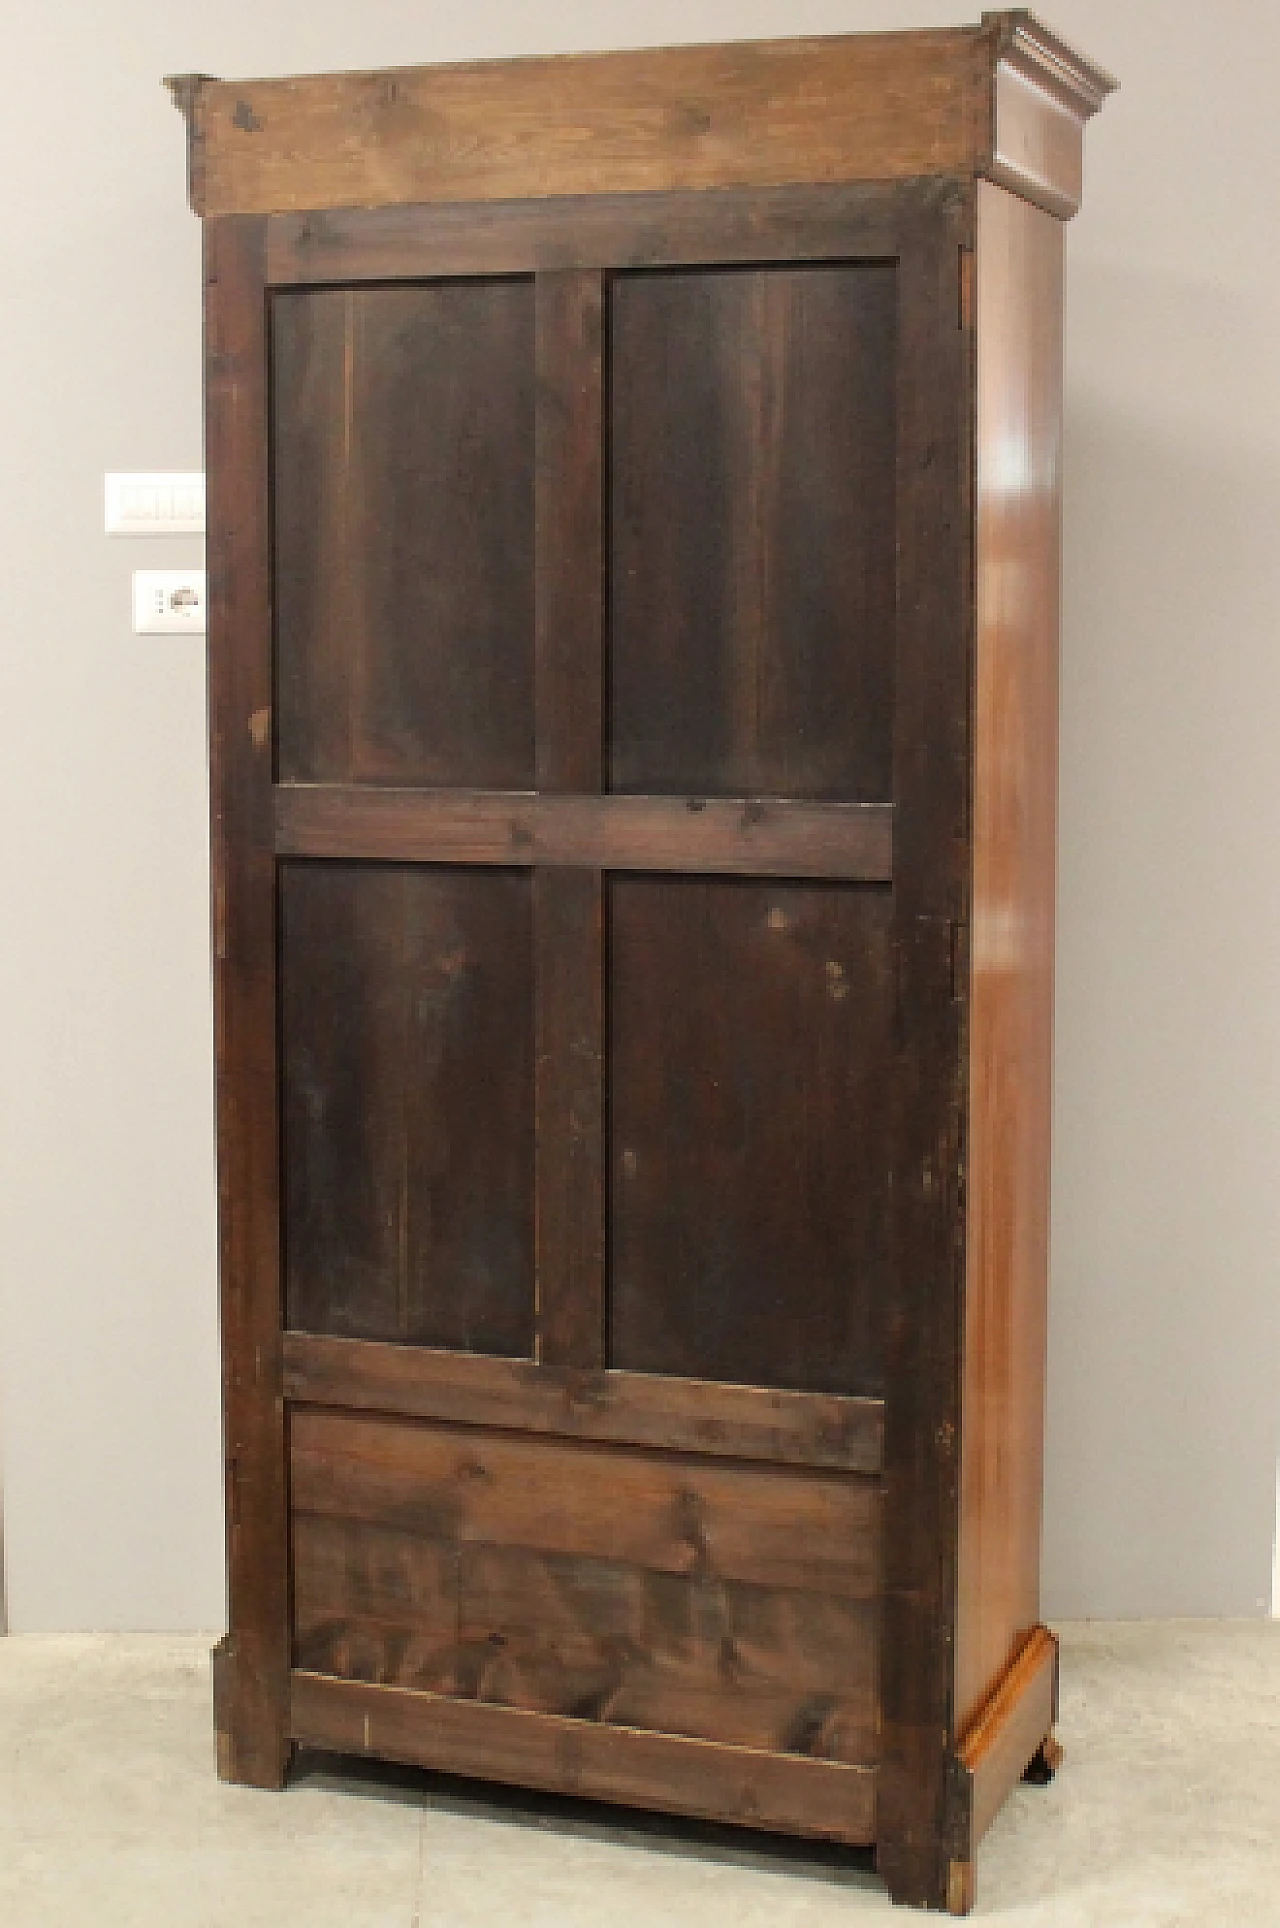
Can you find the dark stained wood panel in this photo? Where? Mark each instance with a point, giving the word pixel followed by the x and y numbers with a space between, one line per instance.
pixel 752 545
pixel 407 1018
pixel 569 1084
pixel 251 1675
pixel 930 895
pixel 651 1591
pixel 680 1415
pixel 567 234
pixel 570 530
pixel 751 1059
pixel 741 836
pixel 791 1793
pixel 403 449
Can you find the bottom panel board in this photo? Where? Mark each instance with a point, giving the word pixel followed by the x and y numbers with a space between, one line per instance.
pixel 684 1596
pixel 821 1799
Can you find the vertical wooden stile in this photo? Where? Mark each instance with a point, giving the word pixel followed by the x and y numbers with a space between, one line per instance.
pixel 253 1672
pixel 930 897
pixel 568 903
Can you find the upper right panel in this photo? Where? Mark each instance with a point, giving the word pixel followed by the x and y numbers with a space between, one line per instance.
pixel 753 539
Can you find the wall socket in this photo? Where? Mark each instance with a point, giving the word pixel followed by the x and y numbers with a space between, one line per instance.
pixel 168 602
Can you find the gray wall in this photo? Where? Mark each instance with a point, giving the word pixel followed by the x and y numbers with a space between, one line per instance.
pixel 1165 1383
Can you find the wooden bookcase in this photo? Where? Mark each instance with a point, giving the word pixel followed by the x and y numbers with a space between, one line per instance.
pixel 633 548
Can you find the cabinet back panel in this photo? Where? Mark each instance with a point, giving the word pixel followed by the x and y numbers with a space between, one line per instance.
pixel 752 482
pixel 642 1590
pixel 750 1056
pixel 407 1021
pixel 403 433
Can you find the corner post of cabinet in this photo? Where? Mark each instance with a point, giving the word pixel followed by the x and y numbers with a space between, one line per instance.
pixel 251 1674
pixel 930 794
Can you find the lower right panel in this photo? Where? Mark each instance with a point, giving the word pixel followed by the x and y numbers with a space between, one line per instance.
pixel 749 1083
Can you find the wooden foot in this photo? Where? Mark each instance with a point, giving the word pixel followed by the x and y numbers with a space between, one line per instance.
pixel 253 1747
pixel 1044 1763
pixel 961 1888
pixel 918 1876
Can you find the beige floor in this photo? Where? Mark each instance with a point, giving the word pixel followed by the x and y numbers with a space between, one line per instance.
pixel 1167 1813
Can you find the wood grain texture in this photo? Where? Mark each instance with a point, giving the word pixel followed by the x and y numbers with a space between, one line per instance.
pixel 569 986
pixel 830 221
pixel 789 1793
pixel 750 1052
pixel 403 464
pixel 1044 93
pixel 1008 1730
pixel 570 530
pixel 931 749
pixel 1015 789
pixel 408 1092
pixel 752 540
pixel 848 107
pixel 651 1591
pixel 253 1672
pixel 745 836
pixel 667 1513
pixel 681 1415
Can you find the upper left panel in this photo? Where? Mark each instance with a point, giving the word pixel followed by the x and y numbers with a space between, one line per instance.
pixel 403 514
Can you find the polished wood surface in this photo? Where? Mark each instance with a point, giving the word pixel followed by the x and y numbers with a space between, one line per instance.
pixel 886 106
pixel 1005 1735
pixel 1043 94
pixel 1015 789
pixel 790 1793
pixel 627 1408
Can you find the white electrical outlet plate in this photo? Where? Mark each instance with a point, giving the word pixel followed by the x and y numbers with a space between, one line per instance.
pixel 168 602
pixel 155 505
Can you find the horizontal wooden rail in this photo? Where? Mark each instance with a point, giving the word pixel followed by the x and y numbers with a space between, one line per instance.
pixel 789 1792
pixel 625 1408
pixel 619 232
pixel 743 836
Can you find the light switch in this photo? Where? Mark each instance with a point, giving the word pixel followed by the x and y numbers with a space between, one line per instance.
pixel 168 602
pixel 156 505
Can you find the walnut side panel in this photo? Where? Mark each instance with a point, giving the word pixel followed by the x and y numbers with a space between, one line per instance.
pixel 1015 1722
pixel 1019 306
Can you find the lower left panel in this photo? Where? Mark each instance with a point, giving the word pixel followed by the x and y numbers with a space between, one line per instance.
pixel 407 1066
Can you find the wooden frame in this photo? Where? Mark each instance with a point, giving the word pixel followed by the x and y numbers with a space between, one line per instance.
pixel 967 1677
pixel 1006 99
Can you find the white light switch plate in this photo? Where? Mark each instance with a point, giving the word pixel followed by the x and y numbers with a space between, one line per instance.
pixel 155 505
pixel 168 602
